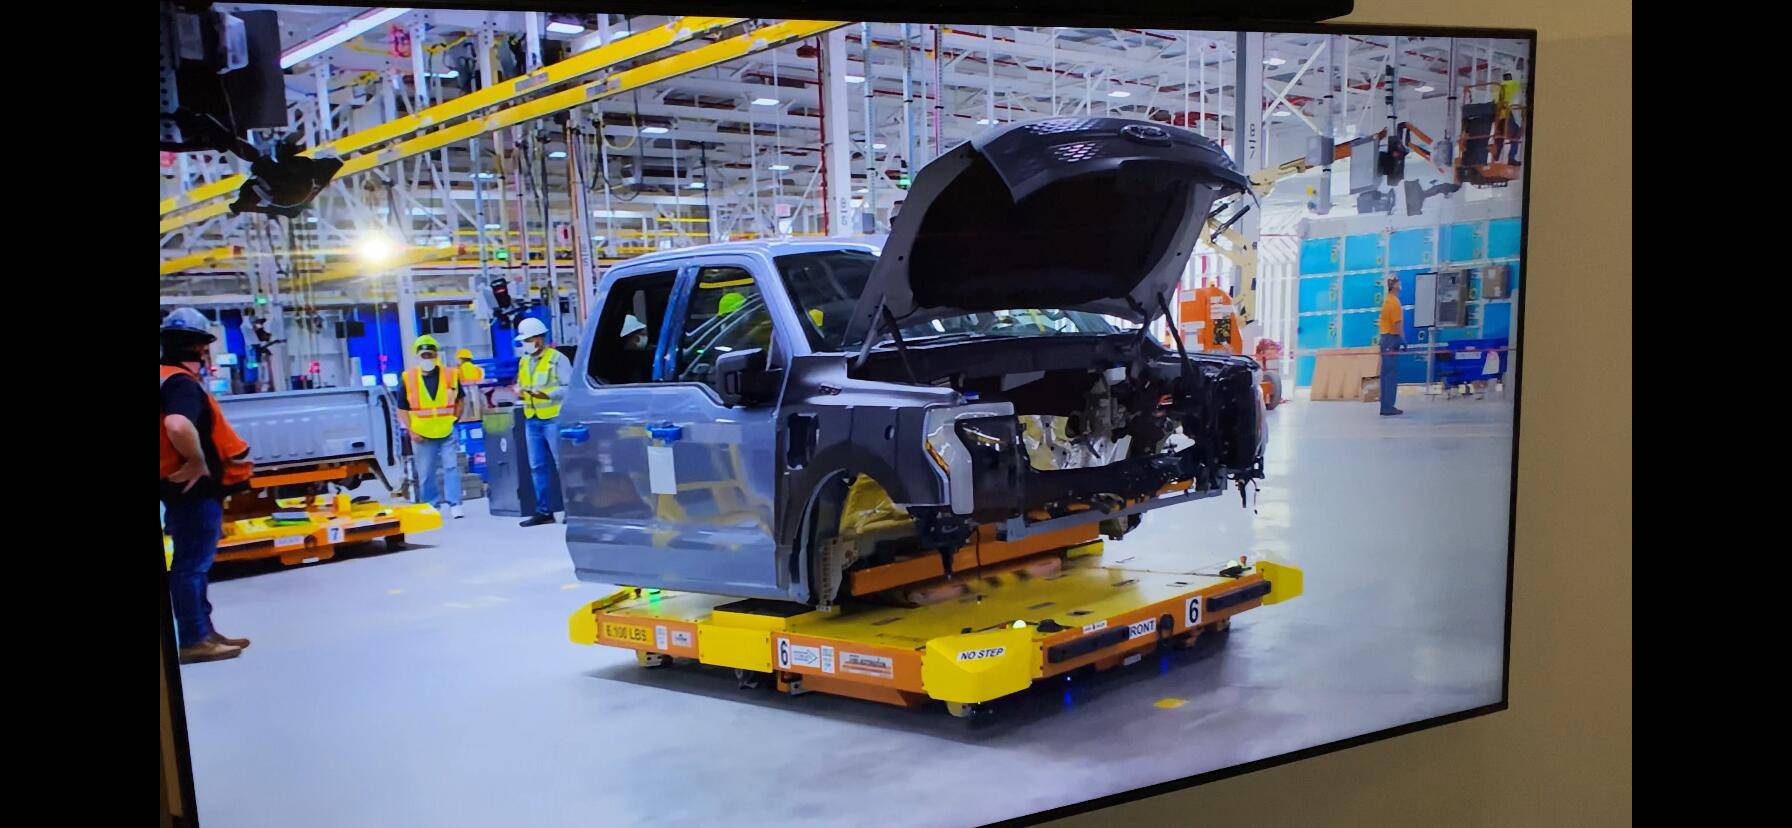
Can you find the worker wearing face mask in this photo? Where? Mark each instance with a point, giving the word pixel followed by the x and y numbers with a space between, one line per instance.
pixel 541 379
pixel 432 398
pixel 202 461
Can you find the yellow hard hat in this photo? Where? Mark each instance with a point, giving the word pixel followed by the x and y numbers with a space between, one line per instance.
pixel 464 353
pixel 729 303
pixel 425 341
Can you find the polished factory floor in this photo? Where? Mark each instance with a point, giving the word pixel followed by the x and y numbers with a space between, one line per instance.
pixel 436 686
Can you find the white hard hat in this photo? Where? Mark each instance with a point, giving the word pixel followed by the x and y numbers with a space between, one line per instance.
pixel 530 327
pixel 630 325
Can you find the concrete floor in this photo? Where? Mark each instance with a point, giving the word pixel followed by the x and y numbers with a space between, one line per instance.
pixel 436 686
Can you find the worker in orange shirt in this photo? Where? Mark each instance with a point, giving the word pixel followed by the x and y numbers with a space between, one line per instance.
pixel 1393 321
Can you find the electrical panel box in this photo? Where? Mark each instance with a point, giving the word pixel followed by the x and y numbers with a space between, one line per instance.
pixel 1496 282
pixel 1424 300
pixel 1363 165
pixel 1452 298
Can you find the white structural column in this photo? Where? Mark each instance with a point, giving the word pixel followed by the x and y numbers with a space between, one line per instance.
pixel 401 276
pixel 1247 152
pixel 1327 123
pixel 836 132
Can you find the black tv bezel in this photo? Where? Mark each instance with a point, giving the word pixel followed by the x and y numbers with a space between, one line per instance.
pixel 1297 17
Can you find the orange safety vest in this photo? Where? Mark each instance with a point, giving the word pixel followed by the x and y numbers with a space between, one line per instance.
pixel 233 451
pixel 432 417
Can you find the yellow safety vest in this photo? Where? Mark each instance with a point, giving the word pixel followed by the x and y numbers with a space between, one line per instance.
pixel 540 379
pixel 471 373
pixel 432 417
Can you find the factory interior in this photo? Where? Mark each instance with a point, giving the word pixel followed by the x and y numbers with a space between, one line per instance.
pixel 411 660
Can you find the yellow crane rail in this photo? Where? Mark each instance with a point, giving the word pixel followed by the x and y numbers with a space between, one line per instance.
pixel 201 259
pixel 584 63
pixel 703 57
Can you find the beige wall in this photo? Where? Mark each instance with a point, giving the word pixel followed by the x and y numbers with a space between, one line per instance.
pixel 1561 754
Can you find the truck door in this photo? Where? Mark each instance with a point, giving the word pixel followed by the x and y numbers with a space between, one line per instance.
pixel 666 486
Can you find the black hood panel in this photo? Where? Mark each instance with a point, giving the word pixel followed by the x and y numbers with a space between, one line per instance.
pixel 1095 214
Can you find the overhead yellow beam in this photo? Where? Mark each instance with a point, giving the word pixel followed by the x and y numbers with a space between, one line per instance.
pixel 410 256
pixel 579 65
pixel 200 259
pixel 702 57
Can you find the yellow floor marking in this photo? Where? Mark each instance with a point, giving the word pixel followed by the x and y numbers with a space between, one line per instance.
pixel 1169 704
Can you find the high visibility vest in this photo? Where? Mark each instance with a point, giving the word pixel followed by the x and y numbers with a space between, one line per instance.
pixel 233 450
pixel 540 378
pixel 471 373
pixel 432 416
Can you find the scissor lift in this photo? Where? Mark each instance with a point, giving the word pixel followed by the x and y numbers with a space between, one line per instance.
pixel 1028 619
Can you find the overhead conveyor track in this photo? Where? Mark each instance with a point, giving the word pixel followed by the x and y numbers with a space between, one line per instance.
pixel 585 63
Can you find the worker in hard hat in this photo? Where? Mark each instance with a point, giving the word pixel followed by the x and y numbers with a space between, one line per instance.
pixel 636 364
pixel 202 460
pixel 1505 126
pixel 1392 327
pixel 471 375
pixel 541 379
pixel 432 402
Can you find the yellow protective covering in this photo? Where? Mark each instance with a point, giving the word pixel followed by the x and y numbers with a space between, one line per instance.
pixel 869 508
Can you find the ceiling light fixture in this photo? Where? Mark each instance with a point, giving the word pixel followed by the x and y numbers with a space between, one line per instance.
pixel 565 27
pixel 654 130
pixel 1119 93
pixel 337 35
pixel 765 101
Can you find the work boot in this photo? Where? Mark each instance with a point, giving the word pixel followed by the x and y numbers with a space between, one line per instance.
pixel 208 650
pixel 1392 412
pixel 239 643
pixel 537 520
pixel 456 511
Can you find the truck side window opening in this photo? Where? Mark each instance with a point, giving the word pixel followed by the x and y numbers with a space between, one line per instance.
pixel 726 313
pixel 617 359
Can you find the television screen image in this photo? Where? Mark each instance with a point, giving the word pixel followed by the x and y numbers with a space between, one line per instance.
pixel 670 419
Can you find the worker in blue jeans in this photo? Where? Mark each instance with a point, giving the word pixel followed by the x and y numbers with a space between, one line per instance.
pixel 541 379
pixel 202 461
pixel 433 404
pixel 1393 321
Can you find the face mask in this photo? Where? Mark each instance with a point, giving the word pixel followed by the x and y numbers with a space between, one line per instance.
pixel 428 363
pixel 532 346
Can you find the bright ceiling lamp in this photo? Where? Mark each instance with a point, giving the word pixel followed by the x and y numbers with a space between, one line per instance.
pixel 338 34
pixel 565 26
pixel 557 154
pixel 375 247
pixel 984 122
pixel 1119 93
pixel 654 130
pixel 765 101
pixel 780 167
pixel 855 78
pixel 880 146
pixel 1427 88
pixel 697 185
pixel 1275 61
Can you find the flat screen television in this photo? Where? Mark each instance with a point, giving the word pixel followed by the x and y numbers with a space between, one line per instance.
pixel 957 420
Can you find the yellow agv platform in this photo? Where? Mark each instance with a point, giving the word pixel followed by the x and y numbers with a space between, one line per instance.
pixel 1003 633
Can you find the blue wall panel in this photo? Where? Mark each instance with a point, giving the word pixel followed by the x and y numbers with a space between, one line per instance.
pixel 1359 328
pixel 1407 248
pixel 1502 238
pixel 1303 370
pixel 1496 320
pixel 1363 290
pixel 1467 242
pixel 1320 294
pixel 1318 256
pixel 1315 332
pixel 1362 252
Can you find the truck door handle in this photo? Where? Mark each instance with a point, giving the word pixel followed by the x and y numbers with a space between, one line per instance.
pixel 575 434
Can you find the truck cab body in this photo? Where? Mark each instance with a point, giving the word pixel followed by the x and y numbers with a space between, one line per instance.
pixel 792 410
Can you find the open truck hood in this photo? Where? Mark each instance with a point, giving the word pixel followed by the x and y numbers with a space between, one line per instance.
pixel 1092 214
